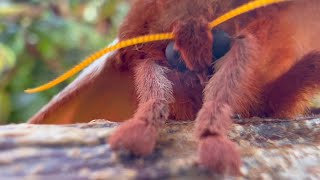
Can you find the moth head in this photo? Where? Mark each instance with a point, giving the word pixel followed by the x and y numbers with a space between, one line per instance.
pixel 184 40
pixel 220 45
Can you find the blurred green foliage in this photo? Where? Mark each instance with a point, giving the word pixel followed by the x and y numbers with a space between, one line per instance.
pixel 39 40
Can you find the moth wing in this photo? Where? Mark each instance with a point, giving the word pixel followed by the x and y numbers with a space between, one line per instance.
pixel 101 91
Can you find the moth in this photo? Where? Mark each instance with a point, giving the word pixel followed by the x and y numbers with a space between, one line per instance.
pixel 264 63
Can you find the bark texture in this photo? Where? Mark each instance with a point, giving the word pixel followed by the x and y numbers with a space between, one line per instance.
pixel 271 149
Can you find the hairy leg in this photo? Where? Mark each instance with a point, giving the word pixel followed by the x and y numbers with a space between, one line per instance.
pixel 290 95
pixel 233 88
pixel 139 134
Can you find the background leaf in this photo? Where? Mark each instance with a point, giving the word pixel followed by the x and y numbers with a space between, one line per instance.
pixel 39 40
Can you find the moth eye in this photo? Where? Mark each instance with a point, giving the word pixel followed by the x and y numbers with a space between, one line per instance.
pixel 174 58
pixel 221 43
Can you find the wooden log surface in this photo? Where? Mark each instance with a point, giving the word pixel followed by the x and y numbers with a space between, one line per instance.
pixel 271 149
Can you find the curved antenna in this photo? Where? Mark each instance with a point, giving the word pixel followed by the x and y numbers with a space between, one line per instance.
pixel 148 38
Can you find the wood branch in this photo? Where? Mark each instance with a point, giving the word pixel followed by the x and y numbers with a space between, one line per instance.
pixel 271 149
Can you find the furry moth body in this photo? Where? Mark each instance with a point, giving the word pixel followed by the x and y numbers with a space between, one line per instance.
pixel 270 70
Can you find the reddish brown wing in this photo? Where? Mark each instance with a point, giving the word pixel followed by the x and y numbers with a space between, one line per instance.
pixel 102 91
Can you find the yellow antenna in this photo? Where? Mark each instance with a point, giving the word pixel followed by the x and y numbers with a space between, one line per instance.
pixel 148 38
pixel 241 10
pixel 97 55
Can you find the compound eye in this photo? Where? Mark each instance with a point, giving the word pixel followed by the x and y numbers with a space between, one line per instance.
pixel 174 58
pixel 221 43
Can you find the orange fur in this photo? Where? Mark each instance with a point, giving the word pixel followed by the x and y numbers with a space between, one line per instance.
pixel 261 61
pixel 271 70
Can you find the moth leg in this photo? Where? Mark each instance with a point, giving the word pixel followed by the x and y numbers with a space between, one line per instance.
pixel 234 88
pixel 290 95
pixel 154 90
